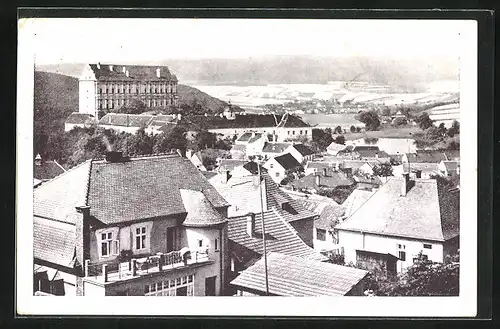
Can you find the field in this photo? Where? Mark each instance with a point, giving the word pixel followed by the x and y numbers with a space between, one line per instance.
pixel 392 132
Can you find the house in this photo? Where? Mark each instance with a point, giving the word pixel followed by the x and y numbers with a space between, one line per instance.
pixel 131 123
pixel 111 86
pixel 44 170
pixel 247 169
pixel 425 170
pixel 431 156
pixel 328 178
pixel 147 226
pixel 364 152
pixel 244 195
pixel 281 166
pixel 300 152
pixel 271 149
pixel 390 146
pixel 229 164
pixel 77 119
pixel 295 277
pixel 312 167
pixel 334 148
pixel 253 142
pixel 449 168
pixel 403 218
pixel 282 127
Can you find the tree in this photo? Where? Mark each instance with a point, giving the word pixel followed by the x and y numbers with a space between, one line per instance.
pixel 399 121
pixel 321 138
pixel 382 169
pixel 386 111
pixel 424 121
pixel 338 130
pixel 454 129
pixel 223 143
pixel 340 140
pixel 135 107
pixel 353 129
pixel 426 278
pixel 370 119
pixel 358 129
pixel 203 140
pixel 442 129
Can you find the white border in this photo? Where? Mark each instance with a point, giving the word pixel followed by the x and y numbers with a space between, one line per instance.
pixel 464 305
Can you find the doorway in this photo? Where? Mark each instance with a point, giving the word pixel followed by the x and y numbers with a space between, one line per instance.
pixel 210 286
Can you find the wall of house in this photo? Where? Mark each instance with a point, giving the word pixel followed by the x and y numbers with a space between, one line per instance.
pixel 282 133
pixel 305 229
pixel 93 289
pixel 328 244
pixel 130 130
pixel 352 241
pixel 275 170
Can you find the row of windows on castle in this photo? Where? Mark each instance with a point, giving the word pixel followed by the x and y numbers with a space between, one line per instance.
pixel 148 88
pixel 110 103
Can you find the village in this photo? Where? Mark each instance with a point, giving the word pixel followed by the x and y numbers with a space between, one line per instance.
pixel 281 208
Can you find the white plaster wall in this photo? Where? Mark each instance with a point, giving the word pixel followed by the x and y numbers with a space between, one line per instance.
pixel 93 290
pixel 352 241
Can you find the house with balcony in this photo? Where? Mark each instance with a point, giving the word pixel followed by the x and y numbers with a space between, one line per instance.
pixel 403 218
pixel 146 226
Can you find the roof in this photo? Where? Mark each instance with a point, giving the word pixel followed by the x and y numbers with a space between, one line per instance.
pixel 287 161
pixel 275 147
pixel 328 210
pixel 421 166
pixel 126 120
pixel 434 156
pixel 335 147
pixel 355 200
pixel 252 168
pixel 249 137
pixel 209 174
pixel 363 179
pixel 200 212
pixel 280 236
pixel 294 276
pixel 332 179
pixel 369 151
pixel 136 72
pixel 54 242
pixel 302 149
pixel 47 170
pixel 80 118
pixel 230 164
pixel 426 212
pixel 142 188
pixel 238 148
pixel 244 121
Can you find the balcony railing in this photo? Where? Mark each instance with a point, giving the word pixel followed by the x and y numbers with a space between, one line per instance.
pixel 116 271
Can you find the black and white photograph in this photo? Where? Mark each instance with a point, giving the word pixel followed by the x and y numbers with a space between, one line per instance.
pixel 237 158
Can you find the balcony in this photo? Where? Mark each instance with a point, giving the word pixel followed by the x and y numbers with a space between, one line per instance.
pixel 136 267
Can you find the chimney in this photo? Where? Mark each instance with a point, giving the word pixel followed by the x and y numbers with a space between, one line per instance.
pixel 124 69
pixel 189 154
pixel 317 179
pixel 126 73
pixel 325 171
pixel 158 72
pixel 98 66
pixel 114 156
pixel 224 176
pixel 111 67
pixel 82 234
pixel 404 186
pixel 251 224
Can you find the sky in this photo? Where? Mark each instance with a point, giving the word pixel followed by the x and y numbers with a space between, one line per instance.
pixel 82 40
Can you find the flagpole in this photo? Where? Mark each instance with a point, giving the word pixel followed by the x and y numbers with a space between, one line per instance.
pixel 263 230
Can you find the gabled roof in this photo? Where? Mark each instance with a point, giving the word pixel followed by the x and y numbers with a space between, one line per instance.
pixel 427 211
pixel 80 118
pixel 142 188
pixel 302 149
pixel 280 236
pixel 335 147
pixel 54 242
pixel 287 161
pixel 249 137
pixel 275 147
pixel 295 276
pixel 47 170
pixel 136 72
pixel 331 180
pixel 126 120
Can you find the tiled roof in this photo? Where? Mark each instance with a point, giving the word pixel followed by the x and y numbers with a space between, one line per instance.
pixel 80 118
pixel 287 161
pixel 246 121
pixel 423 166
pixel 200 212
pixel 294 276
pixel 303 150
pixel 280 236
pixel 434 156
pixel 328 210
pixel 332 179
pixel 355 200
pixel 54 242
pixel 138 189
pixel 249 137
pixel 136 72
pixel 126 120
pixel 426 212
pixel 47 170
pixel 275 147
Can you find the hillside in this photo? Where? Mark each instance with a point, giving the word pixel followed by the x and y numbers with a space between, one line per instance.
pixel 189 96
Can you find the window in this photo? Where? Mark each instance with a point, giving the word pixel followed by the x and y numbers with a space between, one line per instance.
pixel 140 238
pixel 277 174
pixel 300 132
pixel 402 256
pixel 108 245
pixel 200 243
pixel 293 132
pixel 427 246
pixel 401 246
pixel 320 234
pixel 289 132
pixel 271 166
pixel 216 245
pixel 183 286
pixel 305 132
